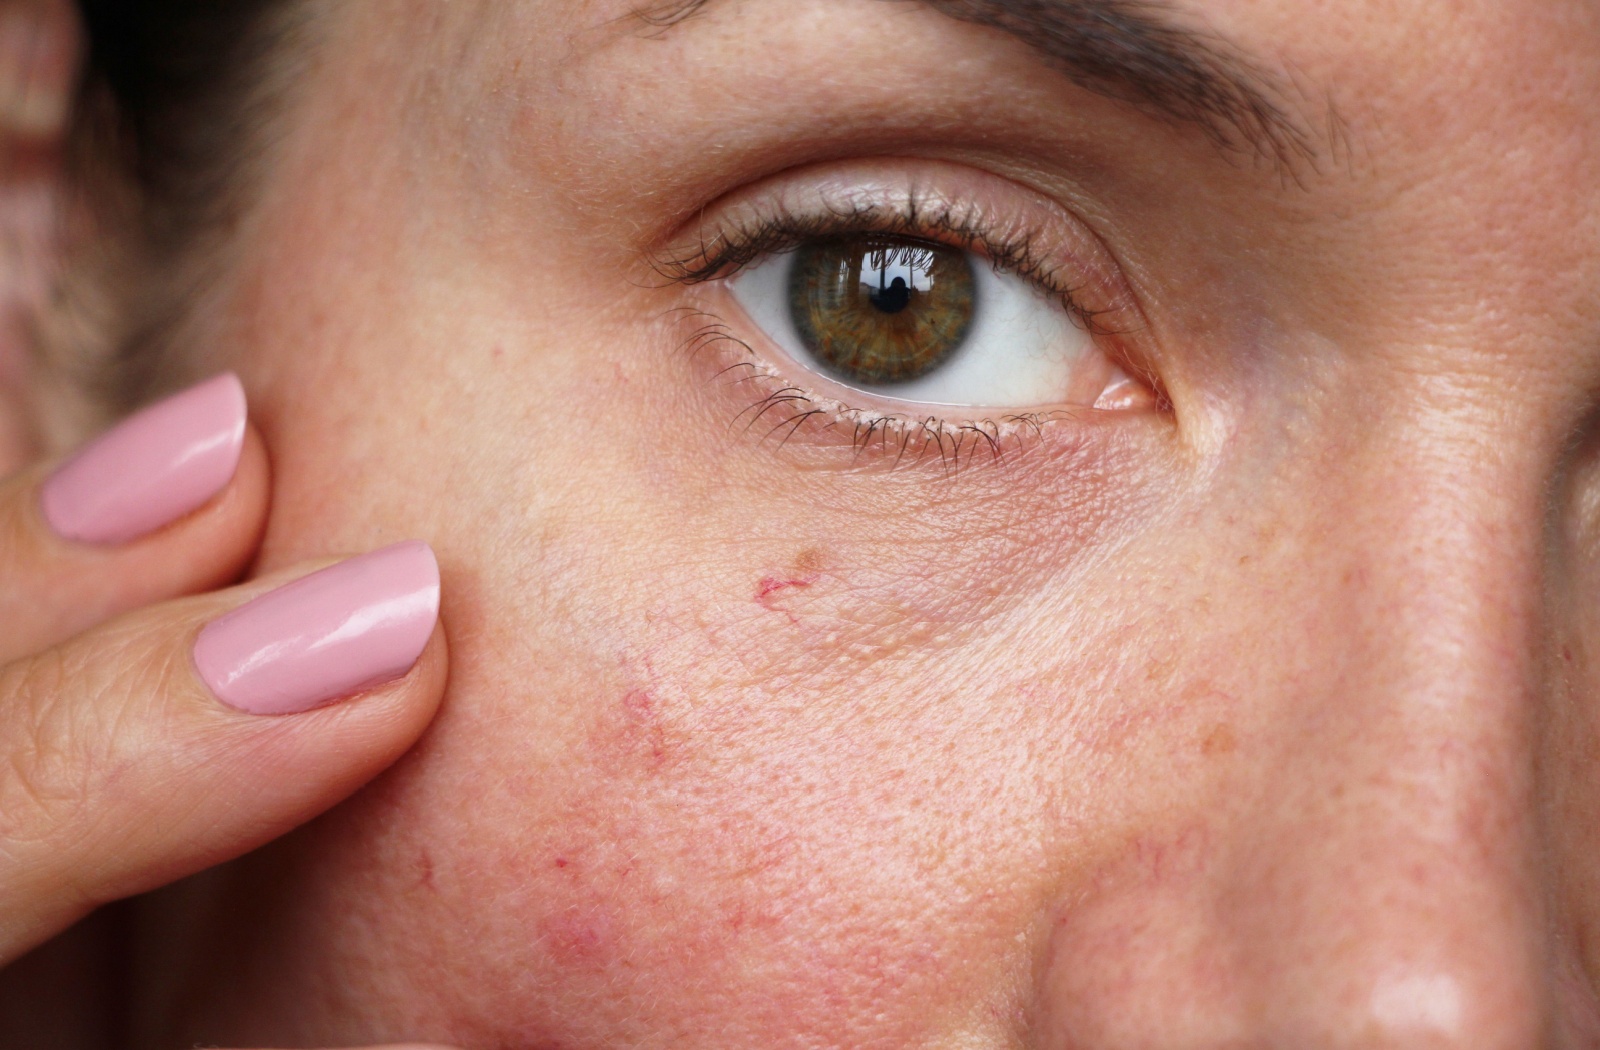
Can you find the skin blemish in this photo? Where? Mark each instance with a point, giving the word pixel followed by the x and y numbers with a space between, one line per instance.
pixel 1220 741
pixel 806 570
pixel 579 938
pixel 771 585
pixel 643 729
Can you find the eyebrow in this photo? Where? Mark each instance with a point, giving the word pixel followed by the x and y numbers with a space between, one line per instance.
pixel 1133 51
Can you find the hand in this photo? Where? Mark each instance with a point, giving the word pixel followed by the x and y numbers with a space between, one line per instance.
pixel 151 726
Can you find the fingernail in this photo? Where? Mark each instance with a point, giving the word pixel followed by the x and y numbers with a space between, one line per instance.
pixel 152 468
pixel 332 634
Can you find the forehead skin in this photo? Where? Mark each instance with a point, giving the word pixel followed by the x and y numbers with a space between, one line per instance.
pixel 1267 721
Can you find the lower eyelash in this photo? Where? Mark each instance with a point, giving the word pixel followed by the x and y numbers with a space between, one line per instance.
pixel 875 438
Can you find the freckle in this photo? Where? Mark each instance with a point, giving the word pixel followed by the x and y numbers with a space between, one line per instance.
pixel 808 563
pixel 1220 741
pixel 1161 671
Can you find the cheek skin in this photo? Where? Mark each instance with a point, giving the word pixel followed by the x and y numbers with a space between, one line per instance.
pixel 736 786
pixel 725 750
pixel 729 748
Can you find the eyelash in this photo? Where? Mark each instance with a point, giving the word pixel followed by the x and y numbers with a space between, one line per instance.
pixel 910 442
pixel 741 244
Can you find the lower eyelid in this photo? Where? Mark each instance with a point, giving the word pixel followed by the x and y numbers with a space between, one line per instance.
pixel 813 428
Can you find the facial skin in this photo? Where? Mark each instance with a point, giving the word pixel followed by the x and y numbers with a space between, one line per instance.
pixel 1256 717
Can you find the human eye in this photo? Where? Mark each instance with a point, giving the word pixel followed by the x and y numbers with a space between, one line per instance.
pixel 945 301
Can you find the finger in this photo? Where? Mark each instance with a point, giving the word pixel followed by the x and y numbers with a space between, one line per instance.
pixel 144 750
pixel 170 502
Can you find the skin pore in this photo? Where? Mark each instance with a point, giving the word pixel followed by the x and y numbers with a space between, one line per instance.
pixel 1254 713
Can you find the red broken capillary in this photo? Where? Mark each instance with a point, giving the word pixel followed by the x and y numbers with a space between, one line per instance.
pixel 772 584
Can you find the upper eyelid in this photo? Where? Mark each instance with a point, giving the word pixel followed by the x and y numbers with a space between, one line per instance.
pixel 935 217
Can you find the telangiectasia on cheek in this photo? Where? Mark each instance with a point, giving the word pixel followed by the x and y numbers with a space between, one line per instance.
pixel 924 313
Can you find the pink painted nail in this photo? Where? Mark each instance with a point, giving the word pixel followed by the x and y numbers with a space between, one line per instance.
pixel 329 635
pixel 152 468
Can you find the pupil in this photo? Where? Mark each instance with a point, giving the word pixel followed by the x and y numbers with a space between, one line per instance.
pixel 893 299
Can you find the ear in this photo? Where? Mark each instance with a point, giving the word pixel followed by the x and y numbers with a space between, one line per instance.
pixel 40 44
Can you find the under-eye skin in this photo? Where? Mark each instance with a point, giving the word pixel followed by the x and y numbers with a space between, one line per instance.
pixel 912 309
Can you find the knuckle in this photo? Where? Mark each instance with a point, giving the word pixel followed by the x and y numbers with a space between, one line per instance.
pixel 72 725
pixel 67 727
pixel 74 721
pixel 46 756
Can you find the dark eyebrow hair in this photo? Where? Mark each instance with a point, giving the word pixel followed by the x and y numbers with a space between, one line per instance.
pixel 1133 51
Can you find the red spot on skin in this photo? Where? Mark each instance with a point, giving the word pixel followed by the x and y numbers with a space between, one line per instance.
pixel 806 570
pixel 741 917
pixel 639 704
pixel 425 872
pixel 771 585
pixel 580 938
pixel 499 352
pixel 643 712
pixel 562 862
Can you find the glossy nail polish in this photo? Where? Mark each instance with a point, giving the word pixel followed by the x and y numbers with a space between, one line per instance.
pixel 326 636
pixel 152 468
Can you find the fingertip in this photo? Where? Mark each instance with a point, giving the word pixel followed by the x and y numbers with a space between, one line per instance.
pixel 152 469
pixel 51 524
pixel 335 633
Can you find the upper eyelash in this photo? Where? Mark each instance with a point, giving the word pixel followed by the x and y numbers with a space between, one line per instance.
pixel 736 246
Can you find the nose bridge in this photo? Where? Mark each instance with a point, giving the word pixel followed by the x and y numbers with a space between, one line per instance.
pixel 1416 670
pixel 1386 855
pixel 1365 873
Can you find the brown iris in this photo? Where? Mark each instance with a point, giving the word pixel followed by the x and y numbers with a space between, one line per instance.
pixel 879 309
